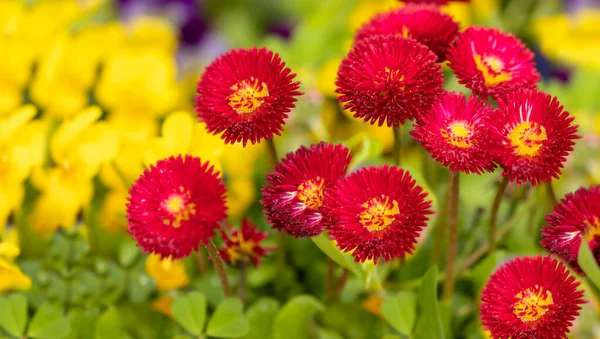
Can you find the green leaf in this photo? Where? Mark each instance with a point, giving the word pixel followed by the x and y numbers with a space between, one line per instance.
pixel 228 321
pixel 109 325
pixel 49 322
pixel 389 336
pixel 190 312
pixel 293 321
pixel 399 311
pixel 588 264
pixel 128 252
pixel 13 314
pixel 343 259
pixel 261 317
pixel 429 323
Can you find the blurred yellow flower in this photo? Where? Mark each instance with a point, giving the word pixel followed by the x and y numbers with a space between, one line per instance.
pixel 366 9
pixel 155 32
pixel 327 76
pixel 168 274
pixel 112 215
pixel 11 276
pixel 22 147
pixel 163 305
pixel 572 40
pixel 15 69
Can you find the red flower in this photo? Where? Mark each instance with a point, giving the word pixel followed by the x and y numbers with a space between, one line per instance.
pixel 533 136
pixel 294 201
pixel 175 205
pixel 424 23
pixel 577 217
pixel 246 94
pixel 455 133
pixel 531 297
pixel 244 244
pixel 491 62
pixel 387 78
pixel 377 212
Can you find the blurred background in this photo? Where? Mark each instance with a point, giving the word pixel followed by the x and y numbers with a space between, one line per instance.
pixel 92 92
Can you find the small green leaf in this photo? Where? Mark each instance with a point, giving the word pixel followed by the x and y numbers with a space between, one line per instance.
pixel 399 311
pixel 343 259
pixel 588 264
pixel 261 317
pixel 13 314
pixel 293 321
pixel 389 336
pixel 429 323
pixel 128 252
pixel 49 322
pixel 190 312
pixel 228 321
pixel 109 325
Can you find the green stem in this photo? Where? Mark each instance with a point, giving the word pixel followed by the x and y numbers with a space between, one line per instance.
pixel 396 151
pixel 272 152
pixel 494 215
pixel 551 194
pixel 440 230
pixel 453 236
pixel 242 281
pixel 201 261
pixel 219 267
pixel 341 282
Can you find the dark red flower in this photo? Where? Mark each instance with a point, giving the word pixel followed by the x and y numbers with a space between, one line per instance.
pixel 246 94
pixel 575 218
pixel 533 136
pixel 530 298
pixel 424 23
pixel 376 212
pixel 175 205
pixel 455 133
pixel 294 201
pixel 386 78
pixel 490 62
pixel 243 245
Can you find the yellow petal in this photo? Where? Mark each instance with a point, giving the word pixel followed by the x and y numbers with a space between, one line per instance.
pixel 12 278
pixel 177 132
pixel 69 130
pixel 168 274
pixel 10 125
pixel 9 250
pixel 163 305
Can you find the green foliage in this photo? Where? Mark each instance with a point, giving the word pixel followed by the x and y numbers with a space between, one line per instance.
pixel 261 317
pixel 228 321
pixel 190 312
pixel 48 323
pixel 294 320
pixel 399 310
pixel 589 265
pixel 13 314
pixel 429 323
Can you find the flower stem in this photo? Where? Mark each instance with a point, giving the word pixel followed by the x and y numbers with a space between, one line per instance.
pixel 272 152
pixel 242 281
pixel 219 267
pixel 201 261
pixel 453 236
pixel 494 215
pixel 396 151
pixel 551 194
pixel 440 230
pixel 341 283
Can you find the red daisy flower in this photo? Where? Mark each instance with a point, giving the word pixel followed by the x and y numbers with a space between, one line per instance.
pixel 576 218
pixel 294 202
pixel 424 23
pixel 175 205
pixel 246 94
pixel 490 62
pixel 376 212
pixel 386 78
pixel 533 136
pixel 244 244
pixel 455 133
pixel 531 297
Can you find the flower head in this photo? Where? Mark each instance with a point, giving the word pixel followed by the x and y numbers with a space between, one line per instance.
pixel 533 135
pixel 387 78
pixel 424 23
pixel 575 218
pixel 530 297
pixel 243 245
pixel 167 273
pixel 455 133
pixel 376 212
pixel 490 62
pixel 294 200
pixel 175 205
pixel 246 94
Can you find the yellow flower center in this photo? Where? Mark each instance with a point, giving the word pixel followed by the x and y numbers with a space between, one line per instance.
pixel 533 303
pixel 458 134
pixel 178 208
pixel 405 32
pixel 592 229
pixel 248 95
pixel 491 68
pixel 389 77
pixel 311 193
pixel 527 138
pixel 379 214
pixel 241 250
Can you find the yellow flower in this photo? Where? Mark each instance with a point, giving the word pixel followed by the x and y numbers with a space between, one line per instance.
pixel 113 211
pixel 22 147
pixel 153 32
pixel 327 76
pixel 15 69
pixel 167 273
pixel 163 305
pixel 366 9
pixel 11 276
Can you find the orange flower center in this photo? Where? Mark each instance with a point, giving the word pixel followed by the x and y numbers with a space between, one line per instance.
pixel 178 208
pixel 533 303
pixel 380 212
pixel 492 69
pixel 592 229
pixel 242 249
pixel 458 134
pixel 527 138
pixel 248 95
pixel 311 193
